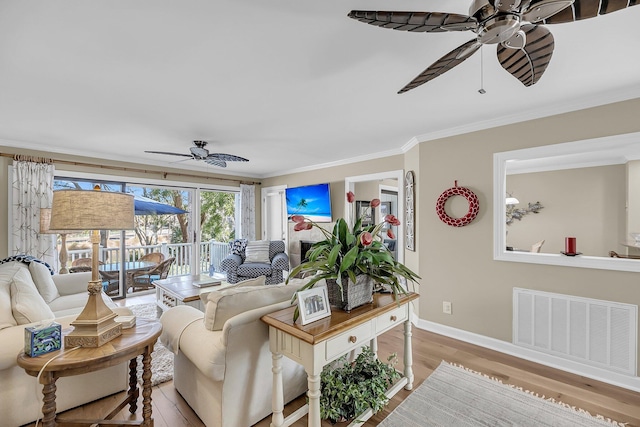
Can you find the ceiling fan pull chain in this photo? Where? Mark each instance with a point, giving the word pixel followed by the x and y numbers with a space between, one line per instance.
pixel 481 91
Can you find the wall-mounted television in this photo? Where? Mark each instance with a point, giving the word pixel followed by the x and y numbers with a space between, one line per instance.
pixel 312 201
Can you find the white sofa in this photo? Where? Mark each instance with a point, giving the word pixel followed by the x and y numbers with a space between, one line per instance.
pixel 29 294
pixel 222 363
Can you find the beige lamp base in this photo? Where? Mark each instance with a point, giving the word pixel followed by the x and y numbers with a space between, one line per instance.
pixel 95 326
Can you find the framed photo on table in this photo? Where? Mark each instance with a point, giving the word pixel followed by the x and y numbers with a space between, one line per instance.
pixel 313 304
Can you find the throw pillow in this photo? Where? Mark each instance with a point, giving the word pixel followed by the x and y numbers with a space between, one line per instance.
pixel 225 304
pixel 238 246
pixel 26 303
pixel 42 278
pixel 6 317
pixel 257 251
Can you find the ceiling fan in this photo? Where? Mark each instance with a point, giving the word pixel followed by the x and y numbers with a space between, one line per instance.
pixel 524 48
pixel 200 153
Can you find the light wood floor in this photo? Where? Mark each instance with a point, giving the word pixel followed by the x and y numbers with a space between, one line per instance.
pixel 170 410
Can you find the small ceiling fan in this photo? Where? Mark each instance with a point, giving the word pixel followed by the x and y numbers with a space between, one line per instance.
pixel 524 48
pixel 200 153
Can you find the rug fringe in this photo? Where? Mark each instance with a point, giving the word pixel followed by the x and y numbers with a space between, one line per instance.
pixel 533 393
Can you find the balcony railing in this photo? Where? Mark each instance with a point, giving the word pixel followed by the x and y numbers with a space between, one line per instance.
pixel 211 254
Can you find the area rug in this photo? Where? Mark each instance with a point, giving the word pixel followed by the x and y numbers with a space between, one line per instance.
pixel 161 358
pixel 455 396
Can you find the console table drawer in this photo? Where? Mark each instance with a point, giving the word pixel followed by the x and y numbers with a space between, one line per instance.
pixel 391 319
pixel 349 340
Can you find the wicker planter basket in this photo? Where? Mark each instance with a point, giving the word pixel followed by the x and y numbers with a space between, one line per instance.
pixel 352 295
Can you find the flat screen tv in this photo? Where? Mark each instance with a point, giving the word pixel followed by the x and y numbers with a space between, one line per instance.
pixel 312 201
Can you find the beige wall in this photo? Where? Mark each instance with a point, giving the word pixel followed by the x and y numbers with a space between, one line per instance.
pixel 585 203
pixel 457 263
pixel 121 169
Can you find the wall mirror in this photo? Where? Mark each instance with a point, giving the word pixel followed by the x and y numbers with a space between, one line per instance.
pixel 382 185
pixel 588 189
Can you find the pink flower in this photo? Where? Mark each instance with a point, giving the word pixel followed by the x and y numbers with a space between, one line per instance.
pixel 375 203
pixel 351 197
pixel 390 234
pixel 297 218
pixel 391 219
pixel 366 238
pixel 302 226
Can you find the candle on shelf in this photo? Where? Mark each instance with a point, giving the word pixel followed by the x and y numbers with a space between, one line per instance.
pixel 570 245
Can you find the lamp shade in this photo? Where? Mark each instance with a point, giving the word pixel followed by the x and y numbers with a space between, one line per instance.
pixel 91 210
pixel 45 223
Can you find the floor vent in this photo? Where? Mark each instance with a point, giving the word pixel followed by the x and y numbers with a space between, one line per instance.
pixel 594 332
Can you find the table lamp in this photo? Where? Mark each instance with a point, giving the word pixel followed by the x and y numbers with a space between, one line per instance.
pixel 94 210
pixel 45 228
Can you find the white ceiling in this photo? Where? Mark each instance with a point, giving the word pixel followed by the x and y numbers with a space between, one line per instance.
pixel 289 84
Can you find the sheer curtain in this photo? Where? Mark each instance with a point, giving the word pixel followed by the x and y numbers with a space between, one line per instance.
pixel 32 189
pixel 248 211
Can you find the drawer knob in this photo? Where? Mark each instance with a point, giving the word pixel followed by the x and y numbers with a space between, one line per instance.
pixel 394 318
pixel 353 339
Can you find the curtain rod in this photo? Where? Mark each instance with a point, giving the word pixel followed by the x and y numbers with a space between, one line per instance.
pixel 125 169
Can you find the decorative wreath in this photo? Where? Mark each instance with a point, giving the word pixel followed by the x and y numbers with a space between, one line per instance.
pixel 472 199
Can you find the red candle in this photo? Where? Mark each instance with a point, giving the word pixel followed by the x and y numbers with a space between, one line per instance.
pixel 570 245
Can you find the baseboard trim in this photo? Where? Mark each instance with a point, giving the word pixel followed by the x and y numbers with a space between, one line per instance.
pixel 620 380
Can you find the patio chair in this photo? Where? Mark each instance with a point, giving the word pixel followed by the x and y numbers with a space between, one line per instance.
pixel 110 282
pixel 140 280
pixel 81 265
pixel 156 257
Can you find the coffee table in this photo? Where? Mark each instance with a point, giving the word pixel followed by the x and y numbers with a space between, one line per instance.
pixel 180 290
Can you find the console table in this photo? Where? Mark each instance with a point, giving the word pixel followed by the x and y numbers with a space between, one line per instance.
pixel 319 343
pixel 138 340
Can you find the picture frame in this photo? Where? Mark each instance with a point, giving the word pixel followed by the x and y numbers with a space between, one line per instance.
pixel 364 211
pixel 313 304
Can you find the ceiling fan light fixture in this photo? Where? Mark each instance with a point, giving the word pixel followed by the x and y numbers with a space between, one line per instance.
pixel 499 29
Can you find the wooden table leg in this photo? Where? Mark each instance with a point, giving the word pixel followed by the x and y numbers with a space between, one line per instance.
pixel 48 381
pixel 133 385
pixel 277 391
pixel 408 355
pixel 146 387
pixel 313 382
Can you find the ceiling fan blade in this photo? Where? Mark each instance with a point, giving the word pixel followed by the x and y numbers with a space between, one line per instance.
pixel 444 64
pixel 528 64
pixel 227 157
pixel 428 22
pixel 171 154
pixel 584 9
pixel 215 162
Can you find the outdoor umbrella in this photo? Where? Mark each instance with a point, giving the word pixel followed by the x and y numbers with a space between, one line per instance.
pixel 146 206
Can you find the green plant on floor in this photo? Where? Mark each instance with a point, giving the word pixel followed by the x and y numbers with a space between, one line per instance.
pixel 349 389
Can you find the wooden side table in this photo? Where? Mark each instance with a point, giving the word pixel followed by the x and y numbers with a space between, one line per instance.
pixel 319 343
pixel 135 341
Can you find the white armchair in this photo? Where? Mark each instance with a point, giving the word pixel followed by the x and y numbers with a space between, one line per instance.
pixel 222 364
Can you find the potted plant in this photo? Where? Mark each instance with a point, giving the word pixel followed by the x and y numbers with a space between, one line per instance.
pixel 349 389
pixel 350 259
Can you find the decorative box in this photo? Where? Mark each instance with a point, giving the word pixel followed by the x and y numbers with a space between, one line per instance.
pixel 42 339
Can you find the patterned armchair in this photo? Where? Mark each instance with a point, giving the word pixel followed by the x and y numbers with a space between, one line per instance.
pixel 237 269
